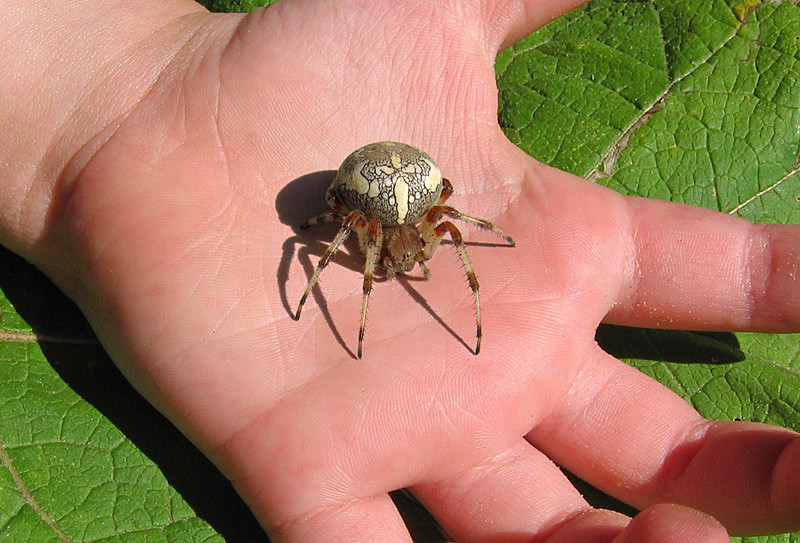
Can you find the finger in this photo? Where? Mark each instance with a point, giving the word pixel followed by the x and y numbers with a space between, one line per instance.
pixel 671 265
pixel 300 489
pixel 307 507
pixel 669 523
pixel 734 465
pixel 520 494
pixel 699 269
pixel 663 523
pixel 517 494
pixel 359 521
pixel 591 526
pixel 632 437
pixel 509 21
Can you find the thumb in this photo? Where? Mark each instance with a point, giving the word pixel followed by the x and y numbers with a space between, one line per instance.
pixel 508 21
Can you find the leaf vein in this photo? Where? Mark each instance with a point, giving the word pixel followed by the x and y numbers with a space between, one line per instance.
pixel 28 498
pixel 606 165
pixel 764 191
pixel 35 337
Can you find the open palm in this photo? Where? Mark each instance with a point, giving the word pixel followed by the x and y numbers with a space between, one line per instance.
pixel 190 266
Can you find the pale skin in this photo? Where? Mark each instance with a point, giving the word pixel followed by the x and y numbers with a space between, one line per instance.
pixel 144 145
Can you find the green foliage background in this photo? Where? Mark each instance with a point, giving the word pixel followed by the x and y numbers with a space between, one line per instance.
pixel 696 102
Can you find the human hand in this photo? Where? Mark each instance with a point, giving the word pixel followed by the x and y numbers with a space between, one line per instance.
pixel 180 264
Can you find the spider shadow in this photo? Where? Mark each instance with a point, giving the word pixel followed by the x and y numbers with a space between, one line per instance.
pixel 304 198
pixel 406 281
pixel 297 202
pixel 308 248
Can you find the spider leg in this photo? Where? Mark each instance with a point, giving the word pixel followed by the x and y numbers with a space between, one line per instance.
pixel 440 209
pixel 480 223
pixel 348 224
pixel 372 242
pixel 339 212
pixel 331 216
pixel 421 261
pixel 432 242
pixel 334 202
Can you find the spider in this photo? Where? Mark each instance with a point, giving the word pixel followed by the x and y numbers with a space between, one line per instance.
pixel 393 195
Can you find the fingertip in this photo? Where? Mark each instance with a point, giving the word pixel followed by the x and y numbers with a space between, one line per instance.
pixel 785 492
pixel 671 523
pixel 662 523
pixel 591 526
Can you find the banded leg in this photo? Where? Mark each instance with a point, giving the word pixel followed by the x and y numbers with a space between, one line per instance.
pixel 480 223
pixel 421 261
pixel 432 242
pixel 351 221
pixel 437 211
pixel 331 216
pixel 373 242
pixel 447 191
pixel 339 212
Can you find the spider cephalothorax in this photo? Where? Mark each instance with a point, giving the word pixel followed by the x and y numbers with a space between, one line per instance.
pixel 392 195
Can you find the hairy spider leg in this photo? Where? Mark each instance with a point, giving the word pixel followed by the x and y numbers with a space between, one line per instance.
pixel 330 216
pixel 440 209
pixel 340 211
pixel 480 223
pixel 428 225
pixel 447 191
pixel 432 242
pixel 421 261
pixel 371 241
pixel 350 221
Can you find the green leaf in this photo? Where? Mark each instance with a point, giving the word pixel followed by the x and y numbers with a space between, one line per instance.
pixel 235 6
pixel 697 102
pixel 69 473
pixel 671 100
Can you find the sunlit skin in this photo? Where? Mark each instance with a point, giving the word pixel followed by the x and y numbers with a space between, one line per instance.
pixel 142 172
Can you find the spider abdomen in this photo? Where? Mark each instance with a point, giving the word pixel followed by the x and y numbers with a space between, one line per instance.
pixel 394 183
